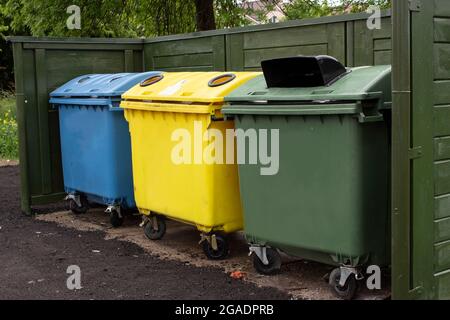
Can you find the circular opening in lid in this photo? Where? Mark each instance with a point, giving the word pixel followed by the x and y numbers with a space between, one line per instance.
pixel 151 80
pixel 221 80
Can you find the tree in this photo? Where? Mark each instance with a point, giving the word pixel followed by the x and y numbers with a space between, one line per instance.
pixel 6 57
pixel 121 18
pixel 48 17
pixel 205 15
pixel 230 13
pixel 145 18
pixel 163 17
pixel 300 9
pixel 362 5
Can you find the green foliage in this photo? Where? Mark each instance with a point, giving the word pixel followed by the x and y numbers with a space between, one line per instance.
pixel 131 18
pixel 300 9
pixel 362 5
pixel 5 65
pixel 163 17
pixel 6 58
pixel 142 18
pixel 48 17
pixel 9 144
pixel 7 103
pixel 229 14
pixel 261 14
pixel 112 18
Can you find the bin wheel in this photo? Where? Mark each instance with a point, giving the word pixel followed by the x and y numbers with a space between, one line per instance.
pixel 346 292
pixel 155 233
pixel 222 248
pixel 115 219
pixel 274 266
pixel 76 209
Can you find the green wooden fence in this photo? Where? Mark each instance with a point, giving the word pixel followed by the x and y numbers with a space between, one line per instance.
pixel 421 150
pixel 345 37
pixel 419 53
pixel 43 64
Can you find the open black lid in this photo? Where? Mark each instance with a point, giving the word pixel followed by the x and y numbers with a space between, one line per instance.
pixel 302 71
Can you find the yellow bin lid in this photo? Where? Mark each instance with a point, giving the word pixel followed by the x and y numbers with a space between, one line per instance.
pixel 192 87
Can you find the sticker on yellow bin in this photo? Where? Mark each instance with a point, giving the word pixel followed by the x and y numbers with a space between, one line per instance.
pixel 180 167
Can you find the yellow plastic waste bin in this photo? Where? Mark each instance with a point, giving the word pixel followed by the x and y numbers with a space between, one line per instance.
pixel 183 154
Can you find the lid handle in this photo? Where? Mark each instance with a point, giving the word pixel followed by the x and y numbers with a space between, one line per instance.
pixel 302 71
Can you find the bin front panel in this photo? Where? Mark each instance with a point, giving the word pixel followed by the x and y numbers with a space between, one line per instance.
pixel 331 200
pixel 95 138
pixel 331 188
pixel 96 153
pixel 205 195
pixel 184 107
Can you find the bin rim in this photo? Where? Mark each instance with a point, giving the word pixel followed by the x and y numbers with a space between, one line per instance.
pixel 192 87
pixel 363 83
pixel 89 101
pixel 100 85
pixel 171 106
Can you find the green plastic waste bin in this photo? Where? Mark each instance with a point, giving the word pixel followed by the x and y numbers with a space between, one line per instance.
pixel 327 197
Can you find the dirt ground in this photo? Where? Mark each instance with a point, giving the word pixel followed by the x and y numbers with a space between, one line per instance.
pixel 123 264
pixel 4 163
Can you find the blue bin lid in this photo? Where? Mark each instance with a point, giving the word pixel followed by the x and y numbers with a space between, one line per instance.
pixel 101 85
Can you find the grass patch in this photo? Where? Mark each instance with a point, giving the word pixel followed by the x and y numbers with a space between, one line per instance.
pixel 9 142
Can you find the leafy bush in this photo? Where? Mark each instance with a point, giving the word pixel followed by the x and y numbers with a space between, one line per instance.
pixel 9 142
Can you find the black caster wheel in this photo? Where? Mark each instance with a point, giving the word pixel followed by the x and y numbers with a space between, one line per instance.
pixel 77 209
pixel 115 219
pixel 274 266
pixel 155 229
pixel 346 292
pixel 222 248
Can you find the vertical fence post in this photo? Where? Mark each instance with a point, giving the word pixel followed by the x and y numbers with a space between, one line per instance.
pixel 22 133
pixel 401 144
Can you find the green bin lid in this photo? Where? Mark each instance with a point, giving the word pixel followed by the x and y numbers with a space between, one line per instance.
pixel 359 84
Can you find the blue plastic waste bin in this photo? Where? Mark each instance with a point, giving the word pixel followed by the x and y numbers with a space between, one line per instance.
pixel 95 142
